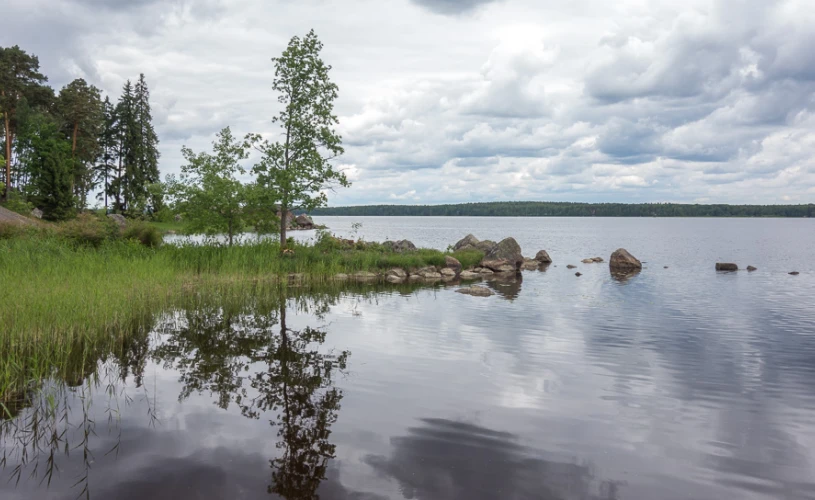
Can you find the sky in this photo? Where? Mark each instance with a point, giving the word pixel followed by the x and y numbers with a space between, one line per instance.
pixel 445 101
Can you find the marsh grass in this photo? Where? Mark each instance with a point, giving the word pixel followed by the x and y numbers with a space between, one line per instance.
pixel 68 298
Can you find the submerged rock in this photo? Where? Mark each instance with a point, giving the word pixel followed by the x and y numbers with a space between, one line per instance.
pixel 476 291
pixel 578 274
pixel 570 266
pixel 598 260
pixel 622 260
pixel 587 261
pixel 543 257
pixel 726 266
pixel 751 268
pixel 469 275
pixel 794 273
pixel 530 265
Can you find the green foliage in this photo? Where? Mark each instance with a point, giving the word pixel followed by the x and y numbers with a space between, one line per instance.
pixel 296 170
pixel 558 209
pixel 9 230
pixel 89 230
pixel 17 203
pixel 209 194
pixel 51 170
pixel 144 233
pixel 163 214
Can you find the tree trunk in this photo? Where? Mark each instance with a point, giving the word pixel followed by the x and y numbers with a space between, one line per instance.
pixel 7 125
pixel 230 232
pixel 283 211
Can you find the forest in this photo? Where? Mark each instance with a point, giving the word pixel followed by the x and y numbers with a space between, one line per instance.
pixel 62 147
pixel 561 209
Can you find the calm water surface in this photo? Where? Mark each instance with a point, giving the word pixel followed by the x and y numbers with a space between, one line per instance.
pixel 677 383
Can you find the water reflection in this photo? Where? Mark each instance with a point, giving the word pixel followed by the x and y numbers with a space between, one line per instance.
pixel 506 286
pixel 449 460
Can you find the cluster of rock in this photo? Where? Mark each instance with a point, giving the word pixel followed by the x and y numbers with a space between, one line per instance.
pixel 300 222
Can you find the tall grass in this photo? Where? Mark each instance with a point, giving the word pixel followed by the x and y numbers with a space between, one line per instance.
pixel 63 302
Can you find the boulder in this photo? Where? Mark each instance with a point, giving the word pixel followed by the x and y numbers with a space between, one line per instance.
pixel 587 261
pixel 341 277
pixel 119 219
pixel 578 274
pixel 726 266
pixel 469 275
pixel 485 246
pixel 598 260
pixel 543 257
pixel 467 243
pixel 37 213
pixel 570 266
pixel 794 273
pixel 448 273
pixel 483 270
pixel 365 276
pixel 178 218
pixel 428 273
pixel 396 275
pixel 530 265
pixel 452 263
pixel 499 266
pixel 477 291
pixel 507 250
pixel 622 260
pixel 751 268
pixel 304 220
pixel 404 246
pixel 287 220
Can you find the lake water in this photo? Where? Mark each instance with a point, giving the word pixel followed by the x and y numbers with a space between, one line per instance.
pixel 677 383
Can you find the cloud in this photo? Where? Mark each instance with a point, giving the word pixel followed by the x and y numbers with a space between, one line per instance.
pixel 579 100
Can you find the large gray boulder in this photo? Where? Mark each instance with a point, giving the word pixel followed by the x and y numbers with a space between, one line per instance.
pixel 119 219
pixel 37 213
pixel 508 250
pixel 622 260
pixel 304 220
pixel 469 242
pixel 485 246
pixel 543 257
pixel 396 275
pixel 499 266
pixel 404 246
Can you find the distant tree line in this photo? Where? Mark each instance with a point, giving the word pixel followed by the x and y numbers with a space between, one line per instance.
pixel 60 147
pixel 560 209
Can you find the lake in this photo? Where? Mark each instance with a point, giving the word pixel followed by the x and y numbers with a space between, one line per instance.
pixel 675 383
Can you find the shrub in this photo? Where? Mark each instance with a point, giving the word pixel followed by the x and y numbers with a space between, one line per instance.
pixel 16 203
pixel 9 230
pixel 90 230
pixel 145 234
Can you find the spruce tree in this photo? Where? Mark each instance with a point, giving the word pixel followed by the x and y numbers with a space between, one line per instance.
pixel 145 147
pixel 79 105
pixel 108 141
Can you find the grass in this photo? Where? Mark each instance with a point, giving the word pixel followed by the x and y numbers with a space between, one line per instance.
pixel 164 227
pixel 69 295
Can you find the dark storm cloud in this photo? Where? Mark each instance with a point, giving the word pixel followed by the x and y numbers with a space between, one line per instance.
pixel 452 7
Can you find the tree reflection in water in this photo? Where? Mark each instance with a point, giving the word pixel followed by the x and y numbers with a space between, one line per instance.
pixel 243 359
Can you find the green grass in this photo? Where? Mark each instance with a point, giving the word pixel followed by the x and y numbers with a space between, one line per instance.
pixel 65 303
pixel 164 227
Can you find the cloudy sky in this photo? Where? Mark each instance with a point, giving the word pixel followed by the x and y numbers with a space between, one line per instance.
pixel 478 100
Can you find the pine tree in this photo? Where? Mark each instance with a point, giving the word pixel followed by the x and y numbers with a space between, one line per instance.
pixel 80 107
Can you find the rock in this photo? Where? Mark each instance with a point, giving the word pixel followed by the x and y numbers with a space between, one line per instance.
pixel 484 270
pixel 794 273
pixel 452 263
pixel 530 265
pixel 404 246
pixel 587 261
pixel 396 275
pixel 621 260
pixel 751 268
pixel 37 213
pixel 665 267
pixel 570 266
pixel 428 273
pixel 466 243
pixel 365 276
pixel 507 249
pixel 447 272
pixel 178 218
pixel 288 220
pixel 543 257
pixel 499 266
pixel 726 266
pixel 171 232
pixel 485 246
pixel 304 220
pixel 469 275
pixel 477 291
pixel 119 219
pixel 578 274
pixel 341 277
pixel 598 260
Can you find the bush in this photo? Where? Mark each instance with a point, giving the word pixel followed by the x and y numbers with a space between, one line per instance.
pixel 90 230
pixel 145 234
pixel 163 214
pixel 9 230
pixel 16 203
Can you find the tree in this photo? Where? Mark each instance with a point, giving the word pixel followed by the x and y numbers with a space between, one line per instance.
pixel 52 172
pixel 144 148
pixel 296 170
pixel 105 166
pixel 124 130
pixel 80 107
pixel 208 193
pixel 19 77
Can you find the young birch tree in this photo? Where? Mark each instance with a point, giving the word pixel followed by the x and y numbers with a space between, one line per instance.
pixel 295 171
